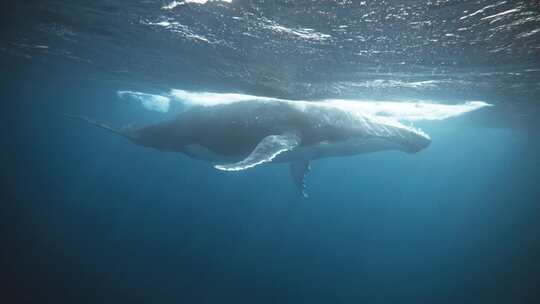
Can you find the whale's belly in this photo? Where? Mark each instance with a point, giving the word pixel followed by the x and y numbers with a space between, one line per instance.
pixel 202 153
pixel 348 147
pixel 323 149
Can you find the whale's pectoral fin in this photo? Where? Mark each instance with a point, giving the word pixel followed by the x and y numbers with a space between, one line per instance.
pixel 299 170
pixel 270 147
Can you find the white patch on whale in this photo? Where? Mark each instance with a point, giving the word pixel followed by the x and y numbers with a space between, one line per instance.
pixel 405 110
pixel 151 102
pixel 207 99
pixel 409 110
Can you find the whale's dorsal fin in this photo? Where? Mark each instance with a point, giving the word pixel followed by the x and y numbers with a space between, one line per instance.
pixel 299 170
pixel 270 147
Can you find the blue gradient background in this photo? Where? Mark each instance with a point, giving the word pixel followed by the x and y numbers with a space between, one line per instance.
pixel 90 218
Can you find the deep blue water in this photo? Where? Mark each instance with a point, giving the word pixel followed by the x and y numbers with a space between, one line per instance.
pixel 88 217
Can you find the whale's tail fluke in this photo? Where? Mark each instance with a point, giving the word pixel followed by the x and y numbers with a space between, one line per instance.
pixel 100 125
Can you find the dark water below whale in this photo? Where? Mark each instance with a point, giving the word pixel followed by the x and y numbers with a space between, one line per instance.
pixel 87 217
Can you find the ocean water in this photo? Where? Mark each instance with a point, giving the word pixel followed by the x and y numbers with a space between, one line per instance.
pixel 89 217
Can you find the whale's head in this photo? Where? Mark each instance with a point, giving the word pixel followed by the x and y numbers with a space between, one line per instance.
pixel 394 135
pixel 413 140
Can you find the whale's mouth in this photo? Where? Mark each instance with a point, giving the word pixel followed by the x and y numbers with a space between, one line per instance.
pixel 417 145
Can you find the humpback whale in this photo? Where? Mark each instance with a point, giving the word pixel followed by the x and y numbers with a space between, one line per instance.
pixel 244 134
